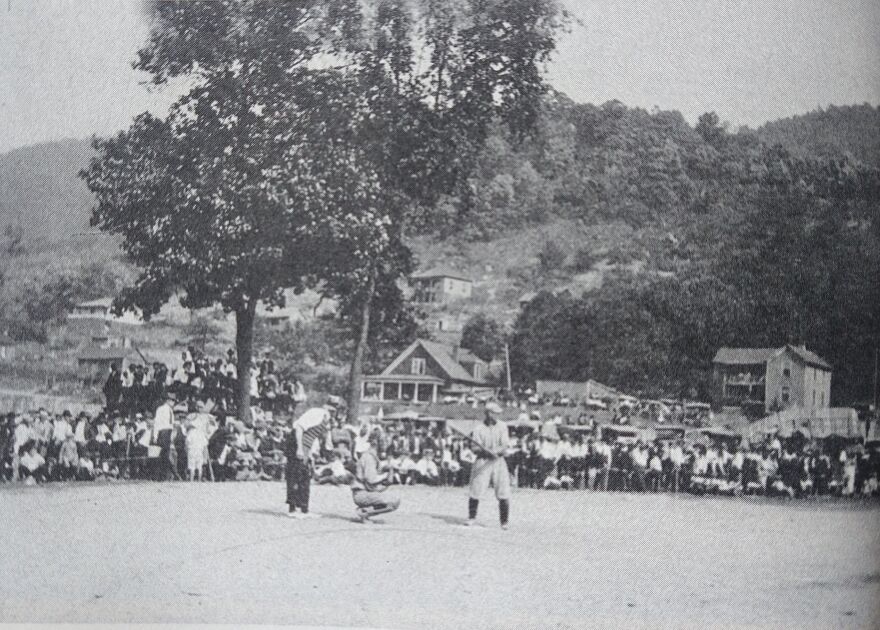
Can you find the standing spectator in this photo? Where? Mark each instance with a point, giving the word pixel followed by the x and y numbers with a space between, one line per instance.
pixel 23 435
pixel 43 432
pixel 61 429
pixel 196 448
pixel 639 463
pixel 163 423
pixel 113 389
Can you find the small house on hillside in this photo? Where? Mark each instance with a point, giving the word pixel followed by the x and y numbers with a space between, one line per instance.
pixel 425 372
pixel 777 378
pixel 94 362
pixel 440 285
pixel 101 310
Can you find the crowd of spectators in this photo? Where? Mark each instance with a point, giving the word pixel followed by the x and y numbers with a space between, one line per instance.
pixel 161 425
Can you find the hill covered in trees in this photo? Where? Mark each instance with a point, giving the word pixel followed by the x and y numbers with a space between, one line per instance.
pixel 648 241
pixel 831 132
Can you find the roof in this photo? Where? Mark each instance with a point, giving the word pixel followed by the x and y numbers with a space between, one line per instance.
pixel 440 272
pixel 755 356
pixel 419 378
pixel 107 354
pixel 744 356
pixel 454 370
pixel 810 358
pixel 100 302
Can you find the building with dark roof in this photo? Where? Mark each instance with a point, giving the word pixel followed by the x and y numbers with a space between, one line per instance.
pixel 425 372
pixel 775 378
pixel 440 285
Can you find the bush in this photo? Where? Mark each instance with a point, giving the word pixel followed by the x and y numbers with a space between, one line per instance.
pixel 584 259
pixel 551 257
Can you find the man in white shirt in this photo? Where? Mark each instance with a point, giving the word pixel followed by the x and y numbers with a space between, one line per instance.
pixel 548 454
pixel 639 458
pixel 163 423
pixel 60 430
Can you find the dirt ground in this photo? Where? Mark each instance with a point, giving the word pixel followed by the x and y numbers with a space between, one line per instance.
pixel 227 553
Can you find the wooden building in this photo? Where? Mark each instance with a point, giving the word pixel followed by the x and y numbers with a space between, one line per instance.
pixel 438 286
pixel 776 378
pixel 425 372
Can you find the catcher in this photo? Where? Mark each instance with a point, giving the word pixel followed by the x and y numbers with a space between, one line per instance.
pixel 370 487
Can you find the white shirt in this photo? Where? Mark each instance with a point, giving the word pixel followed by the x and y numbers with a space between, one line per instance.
pixel 564 449
pixel 80 433
pixel 639 457
pixel 60 430
pixel 164 418
pixel 32 462
pixel 426 467
pixel 548 450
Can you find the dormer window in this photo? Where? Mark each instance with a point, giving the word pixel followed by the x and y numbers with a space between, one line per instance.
pixel 417 367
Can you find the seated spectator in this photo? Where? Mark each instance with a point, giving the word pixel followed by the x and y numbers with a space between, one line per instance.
pixel 334 473
pixel 68 459
pixel 426 470
pixel 32 465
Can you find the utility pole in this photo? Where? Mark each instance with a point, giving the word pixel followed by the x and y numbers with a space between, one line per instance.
pixel 507 369
pixel 876 364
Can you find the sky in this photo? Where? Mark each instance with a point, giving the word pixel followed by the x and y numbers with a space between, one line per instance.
pixel 65 65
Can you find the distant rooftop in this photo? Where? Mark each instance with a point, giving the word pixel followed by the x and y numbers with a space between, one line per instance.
pixel 756 356
pixel 441 272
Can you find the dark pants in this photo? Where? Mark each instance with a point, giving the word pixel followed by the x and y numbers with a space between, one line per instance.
pixel 299 476
pixel 165 464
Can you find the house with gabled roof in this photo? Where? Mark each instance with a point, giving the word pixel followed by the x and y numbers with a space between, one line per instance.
pixel 440 285
pixel 101 310
pixel 777 378
pixel 425 372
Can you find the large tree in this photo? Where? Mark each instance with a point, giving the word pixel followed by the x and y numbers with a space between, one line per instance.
pixel 229 199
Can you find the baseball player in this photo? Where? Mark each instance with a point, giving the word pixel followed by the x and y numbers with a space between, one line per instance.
pixel 370 488
pixel 490 441
pixel 307 431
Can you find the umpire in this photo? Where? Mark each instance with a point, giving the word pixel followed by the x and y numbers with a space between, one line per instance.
pixel 490 469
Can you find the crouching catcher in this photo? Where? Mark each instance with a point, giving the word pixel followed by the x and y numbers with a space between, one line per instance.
pixel 370 487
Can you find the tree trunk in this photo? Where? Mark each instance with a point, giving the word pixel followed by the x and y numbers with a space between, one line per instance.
pixel 244 349
pixel 357 362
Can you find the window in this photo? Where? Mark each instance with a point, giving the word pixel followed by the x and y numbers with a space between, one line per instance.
pixel 372 391
pixel 417 367
pixel 821 399
pixel 391 391
pixel 425 392
pixel 786 370
pixel 408 391
pixel 478 371
pixel 814 397
pixel 786 395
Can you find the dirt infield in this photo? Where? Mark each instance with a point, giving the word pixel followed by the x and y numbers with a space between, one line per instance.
pixel 227 553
